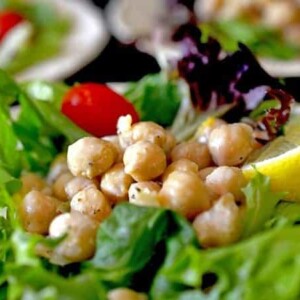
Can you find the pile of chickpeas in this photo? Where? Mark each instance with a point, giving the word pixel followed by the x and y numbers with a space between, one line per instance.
pixel 142 164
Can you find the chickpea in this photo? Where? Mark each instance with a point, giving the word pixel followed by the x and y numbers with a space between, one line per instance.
pixel 77 184
pixel 185 193
pixel 144 161
pixel 231 144
pixel 37 211
pixel 60 225
pixel 58 167
pixel 125 294
pixel 144 193
pixel 124 131
pixel 207 127
pixel 221 225
pixel 80 241
pixel 170 143
pixel 205 172
pixel 115 184
pixel 62 207
pixel 91 202
pixel 59 184
pixel 30 182
pixel 90 157
pixel 194 151
pixel 114 140
pixel 124 124
pixel 142 131
pixel 225 180
pixel 183 164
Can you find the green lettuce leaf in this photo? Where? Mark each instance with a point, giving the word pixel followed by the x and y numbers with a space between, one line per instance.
pixel 29 139
pixel 28 277
pixel 261 40
pixel 156 98
pixel 28 142
pixel 8 90
pixel 39 284
pixel 10 183
pixel 44 91
pixel 131 244
pixel 45 98
pixel 266 266
pixel 286 214
pixel 10 146
pixel 8 222
pixel 260 204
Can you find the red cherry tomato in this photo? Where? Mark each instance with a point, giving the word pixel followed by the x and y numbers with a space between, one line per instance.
pixel 96 108
pixel 8 20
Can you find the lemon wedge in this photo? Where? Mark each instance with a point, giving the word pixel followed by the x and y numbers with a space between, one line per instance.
pixel 280 160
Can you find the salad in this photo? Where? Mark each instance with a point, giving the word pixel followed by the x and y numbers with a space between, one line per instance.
pixel 164 192
pixel 269 28
pixel 31 32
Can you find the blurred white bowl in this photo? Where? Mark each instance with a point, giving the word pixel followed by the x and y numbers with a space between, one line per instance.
pixel 87 39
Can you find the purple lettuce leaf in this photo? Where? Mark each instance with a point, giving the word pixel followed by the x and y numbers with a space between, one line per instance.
pixel 216 78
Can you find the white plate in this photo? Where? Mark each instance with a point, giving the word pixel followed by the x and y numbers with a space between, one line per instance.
pixel 87 39
pixel 281 68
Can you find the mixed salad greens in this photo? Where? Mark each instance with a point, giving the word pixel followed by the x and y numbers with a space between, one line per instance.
pixel 49 30
pixel 264 26
pixel 153 250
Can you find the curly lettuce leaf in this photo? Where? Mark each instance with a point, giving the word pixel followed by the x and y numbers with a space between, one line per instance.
pixel 266 266
pixel 156 98
pixel 260 204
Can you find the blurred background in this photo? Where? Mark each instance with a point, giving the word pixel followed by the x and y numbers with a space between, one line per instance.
pixel 124 62
pixel 117 63
pixel 123 40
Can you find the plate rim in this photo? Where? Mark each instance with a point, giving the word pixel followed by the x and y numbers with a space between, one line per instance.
pixel 281 68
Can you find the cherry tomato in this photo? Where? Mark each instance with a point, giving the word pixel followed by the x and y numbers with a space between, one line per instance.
pixel 96 108
pixel 8 20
